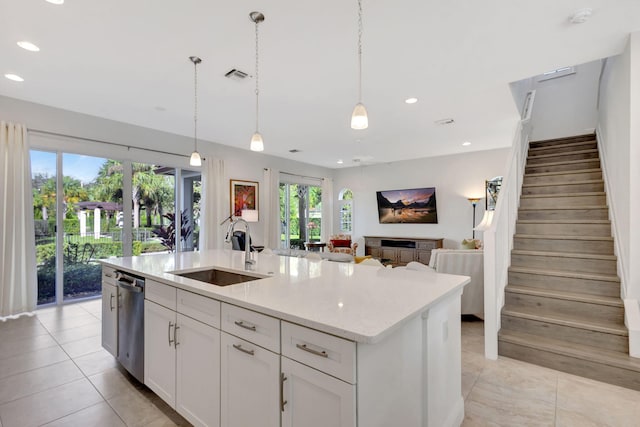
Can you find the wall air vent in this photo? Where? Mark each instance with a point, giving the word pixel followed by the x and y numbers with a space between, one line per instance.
pixel 235 74
pixel 554 74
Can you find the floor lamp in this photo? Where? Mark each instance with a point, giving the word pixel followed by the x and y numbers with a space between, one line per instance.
pixel 474 202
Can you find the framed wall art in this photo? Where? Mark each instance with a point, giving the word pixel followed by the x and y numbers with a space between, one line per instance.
pixel 244 195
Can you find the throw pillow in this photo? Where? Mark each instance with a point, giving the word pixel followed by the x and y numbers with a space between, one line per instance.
pixel 469 244
pixel 341 243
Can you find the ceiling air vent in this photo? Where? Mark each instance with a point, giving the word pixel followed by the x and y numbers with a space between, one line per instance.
pixel 445 122
pixel 235 74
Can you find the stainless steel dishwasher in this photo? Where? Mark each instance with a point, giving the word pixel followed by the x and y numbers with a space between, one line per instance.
pixel 131 323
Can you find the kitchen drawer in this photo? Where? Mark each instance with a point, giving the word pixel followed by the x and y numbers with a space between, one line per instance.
pixel 257 328
pixel 160 293
pixel 109 275
pixel 327 353
pixel 198 307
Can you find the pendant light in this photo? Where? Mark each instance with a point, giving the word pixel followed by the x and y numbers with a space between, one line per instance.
pixel 195 159
pixel 256 140
pixel 359 119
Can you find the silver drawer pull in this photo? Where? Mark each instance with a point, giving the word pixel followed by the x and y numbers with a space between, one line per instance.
pixel 242 325
pixel 244 350
pixel 312 351
pixel 108 275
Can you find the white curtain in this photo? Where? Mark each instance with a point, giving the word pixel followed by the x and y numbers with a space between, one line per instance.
pixel 18 286
pixel 327 209
pixel 212 203
pixel 270 211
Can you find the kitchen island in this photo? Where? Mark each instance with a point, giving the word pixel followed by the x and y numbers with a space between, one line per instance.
pixel 325 343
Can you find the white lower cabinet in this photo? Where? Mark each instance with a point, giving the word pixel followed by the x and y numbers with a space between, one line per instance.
pixel 250 384
pixel 110 318
pixel 182 363
pixel 315 399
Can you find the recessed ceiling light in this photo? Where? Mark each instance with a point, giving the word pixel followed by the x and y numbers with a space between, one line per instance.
pixel 466 143
pixel 340 161
pixel 14 77
pixel 411 100
pixel 55 1
pixel 28 46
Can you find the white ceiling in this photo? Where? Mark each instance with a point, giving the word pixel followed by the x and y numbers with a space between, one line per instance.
pixel 128 60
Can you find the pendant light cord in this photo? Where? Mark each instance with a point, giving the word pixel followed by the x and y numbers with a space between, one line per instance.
pixel 257 78
pixel 195 104
pixel 360 51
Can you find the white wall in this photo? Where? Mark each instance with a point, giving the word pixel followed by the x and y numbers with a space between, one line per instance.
pixel 613 136
pixel 455 178
pixel 566 106
pixel 239 164
pixel 633 286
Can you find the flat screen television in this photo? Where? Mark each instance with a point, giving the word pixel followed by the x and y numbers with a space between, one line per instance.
pixel 412 206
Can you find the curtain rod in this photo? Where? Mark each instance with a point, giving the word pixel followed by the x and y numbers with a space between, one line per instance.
pixel 82 138
pixel 301 176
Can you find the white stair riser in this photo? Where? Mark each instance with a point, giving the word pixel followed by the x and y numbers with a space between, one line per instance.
pixel 612 342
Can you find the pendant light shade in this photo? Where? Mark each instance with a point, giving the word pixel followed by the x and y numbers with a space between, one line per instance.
pixel 359 118
pixel 256 140
pixel 195 159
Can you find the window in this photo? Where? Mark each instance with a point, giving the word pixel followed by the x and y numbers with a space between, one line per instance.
pixel 345 198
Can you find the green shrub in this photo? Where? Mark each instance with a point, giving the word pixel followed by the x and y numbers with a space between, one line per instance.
pixel 71 225
pixel 137 248
pixel 44 253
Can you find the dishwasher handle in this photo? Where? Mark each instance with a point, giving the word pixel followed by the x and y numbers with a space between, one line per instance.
pixel 129 286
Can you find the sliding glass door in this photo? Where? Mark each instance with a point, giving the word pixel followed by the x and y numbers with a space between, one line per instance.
pixel 300 214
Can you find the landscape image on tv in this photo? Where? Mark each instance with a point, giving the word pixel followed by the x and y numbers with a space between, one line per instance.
pixel 414 206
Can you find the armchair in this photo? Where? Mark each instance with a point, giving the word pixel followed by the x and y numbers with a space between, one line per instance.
pixel 341 243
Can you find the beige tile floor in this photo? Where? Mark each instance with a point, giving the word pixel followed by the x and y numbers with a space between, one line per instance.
pixel 54 372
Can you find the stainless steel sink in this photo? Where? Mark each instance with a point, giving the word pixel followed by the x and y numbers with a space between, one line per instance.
pixel 218 277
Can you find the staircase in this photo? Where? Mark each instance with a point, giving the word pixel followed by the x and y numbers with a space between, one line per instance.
pixel 562 301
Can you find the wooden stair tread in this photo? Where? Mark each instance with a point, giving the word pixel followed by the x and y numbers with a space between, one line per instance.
pixel 554 208
pixel 568 144
pixel 584 276
pixel 555 184
pixel 564 221
pixel 569 321
pixel 570 172
pixel 562 237
pixel 564 254
pixel 587 151
pixel 564 295
pixel 531 196
pixel 566 138
pixel 583 352
pixel 564 162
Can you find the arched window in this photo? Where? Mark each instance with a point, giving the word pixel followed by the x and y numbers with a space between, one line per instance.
pixel 345 198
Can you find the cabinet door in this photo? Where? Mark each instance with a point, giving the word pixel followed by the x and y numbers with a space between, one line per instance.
pixel 110 318
pixel 405 256
pixel 250 384
pixel 159 351
pixel 424 257
pixel 198 372
pixel 315 399
pixel 389 253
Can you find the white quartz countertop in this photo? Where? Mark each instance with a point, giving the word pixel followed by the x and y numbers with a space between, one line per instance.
pixel 356 302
